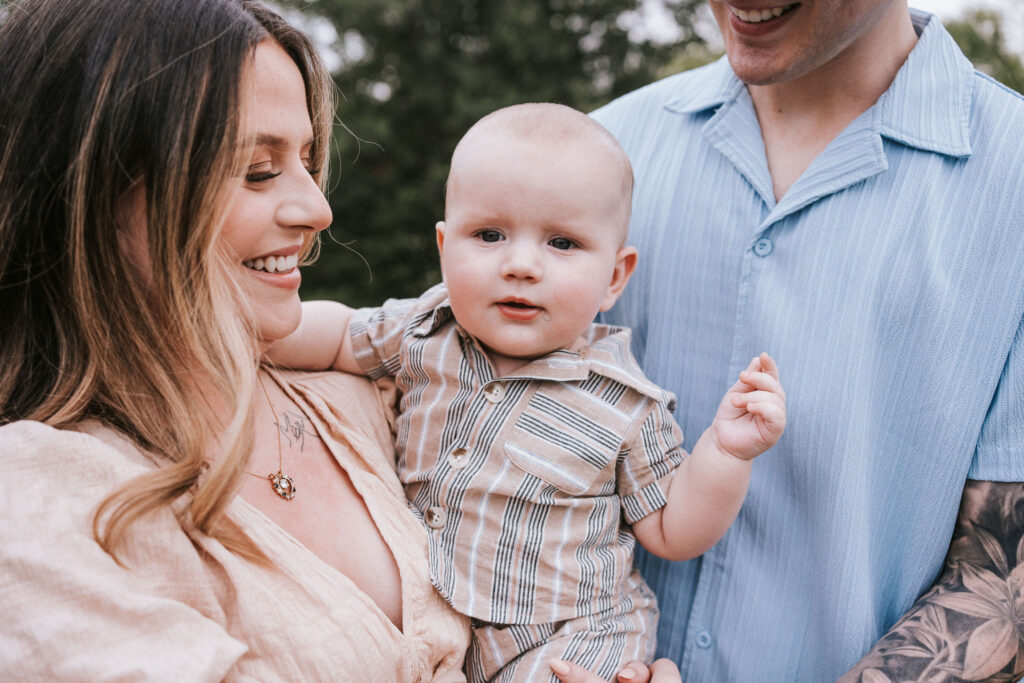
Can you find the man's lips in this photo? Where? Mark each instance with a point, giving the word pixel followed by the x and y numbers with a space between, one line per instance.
pixel 756 22
pixel 756 16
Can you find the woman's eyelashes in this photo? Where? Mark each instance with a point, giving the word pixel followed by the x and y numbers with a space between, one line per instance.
pixel 262 172
pixel 261 176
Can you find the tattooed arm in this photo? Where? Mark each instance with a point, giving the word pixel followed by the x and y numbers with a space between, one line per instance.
pixel 970 624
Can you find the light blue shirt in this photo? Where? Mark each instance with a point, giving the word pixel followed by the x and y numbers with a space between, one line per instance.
pixel 888 283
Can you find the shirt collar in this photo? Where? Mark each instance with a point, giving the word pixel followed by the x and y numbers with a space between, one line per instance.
pixel 606 352
pixel 438 311
pixel 927 106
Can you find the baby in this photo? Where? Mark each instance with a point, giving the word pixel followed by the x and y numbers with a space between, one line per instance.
pixel 527 436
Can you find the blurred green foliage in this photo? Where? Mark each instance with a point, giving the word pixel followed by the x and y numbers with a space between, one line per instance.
pixel 414 75
pixel 981 35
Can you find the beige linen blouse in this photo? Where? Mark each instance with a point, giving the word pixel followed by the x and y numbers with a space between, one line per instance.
pixel 187 609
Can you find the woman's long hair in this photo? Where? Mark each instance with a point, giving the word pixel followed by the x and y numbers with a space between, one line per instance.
pixel 102 101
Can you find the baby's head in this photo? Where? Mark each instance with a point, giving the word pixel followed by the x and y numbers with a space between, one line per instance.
pixel 533 241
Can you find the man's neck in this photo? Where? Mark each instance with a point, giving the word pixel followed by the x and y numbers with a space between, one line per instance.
pixel 800 117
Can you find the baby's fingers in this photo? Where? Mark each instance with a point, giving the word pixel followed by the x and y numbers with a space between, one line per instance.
pixel 768 365
pixel 762 381
pixel 745 400
pixel 771 413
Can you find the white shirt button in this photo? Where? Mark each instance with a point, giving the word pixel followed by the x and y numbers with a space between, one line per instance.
pixel 434 517
pixel 458 458
pixel 763 247
pixel 494 392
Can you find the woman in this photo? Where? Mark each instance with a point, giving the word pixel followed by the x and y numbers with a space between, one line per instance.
pixel 159 179
pixel 171 509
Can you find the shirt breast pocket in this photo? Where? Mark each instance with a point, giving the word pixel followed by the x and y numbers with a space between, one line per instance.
pixel 568 438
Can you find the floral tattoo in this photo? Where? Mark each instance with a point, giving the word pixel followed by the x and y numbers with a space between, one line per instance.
pixel 970 624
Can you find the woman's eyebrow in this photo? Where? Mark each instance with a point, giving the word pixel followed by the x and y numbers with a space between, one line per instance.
pixel 271 140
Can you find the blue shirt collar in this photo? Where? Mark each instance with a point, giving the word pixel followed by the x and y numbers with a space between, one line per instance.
pixel 924 107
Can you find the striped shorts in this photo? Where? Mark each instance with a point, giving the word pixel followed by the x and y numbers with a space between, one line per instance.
pixel 602 643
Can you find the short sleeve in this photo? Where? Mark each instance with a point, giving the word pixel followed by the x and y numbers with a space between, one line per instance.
pixel 378 333
pixel 999 455
pixel 645 469
pixel 71 613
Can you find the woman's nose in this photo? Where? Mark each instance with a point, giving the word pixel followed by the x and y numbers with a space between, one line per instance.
pixel 305 206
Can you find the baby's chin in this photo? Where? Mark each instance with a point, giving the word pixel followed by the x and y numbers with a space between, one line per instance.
pixel 511 356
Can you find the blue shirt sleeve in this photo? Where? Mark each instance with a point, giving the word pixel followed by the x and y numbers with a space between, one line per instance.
pixel 1000 452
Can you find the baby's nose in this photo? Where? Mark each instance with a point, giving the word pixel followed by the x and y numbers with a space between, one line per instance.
pixel 521 261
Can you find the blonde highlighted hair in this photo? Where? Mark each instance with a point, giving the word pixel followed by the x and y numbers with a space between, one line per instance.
pixel 103 100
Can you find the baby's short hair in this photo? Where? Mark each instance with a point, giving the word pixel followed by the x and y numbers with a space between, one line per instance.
pixel 554 122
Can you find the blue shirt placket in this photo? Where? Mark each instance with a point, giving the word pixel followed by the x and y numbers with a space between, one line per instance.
pixel 853 156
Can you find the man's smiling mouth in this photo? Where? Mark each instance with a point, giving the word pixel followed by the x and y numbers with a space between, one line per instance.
pixel 756 16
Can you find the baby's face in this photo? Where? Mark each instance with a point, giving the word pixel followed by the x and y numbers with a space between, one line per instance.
pixel 531 248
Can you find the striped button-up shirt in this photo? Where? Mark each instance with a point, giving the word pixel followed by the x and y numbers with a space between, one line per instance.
pixel 524 480
pixel 888 283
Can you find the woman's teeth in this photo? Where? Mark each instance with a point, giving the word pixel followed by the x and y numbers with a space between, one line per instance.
pixel 273 264
pixel 756 16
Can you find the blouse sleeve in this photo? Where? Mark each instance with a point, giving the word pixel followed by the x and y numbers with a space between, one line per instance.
pixel 70 611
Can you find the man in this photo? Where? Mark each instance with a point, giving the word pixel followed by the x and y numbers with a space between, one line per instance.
pixel 846 193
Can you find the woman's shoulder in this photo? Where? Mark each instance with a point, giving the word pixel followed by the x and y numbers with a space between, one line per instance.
pixel 54 479
pixel 87 456
pixel 66 583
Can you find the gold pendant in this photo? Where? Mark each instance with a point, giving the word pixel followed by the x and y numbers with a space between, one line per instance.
pixel 282 484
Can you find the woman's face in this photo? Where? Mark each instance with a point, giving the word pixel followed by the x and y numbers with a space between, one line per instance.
pixel 278 205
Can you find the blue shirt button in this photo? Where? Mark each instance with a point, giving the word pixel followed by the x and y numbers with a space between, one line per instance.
pixel 703 639
pixel 763 247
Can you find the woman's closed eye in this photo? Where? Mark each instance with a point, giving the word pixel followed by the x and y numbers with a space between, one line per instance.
pixel 261 172
pixel 261 176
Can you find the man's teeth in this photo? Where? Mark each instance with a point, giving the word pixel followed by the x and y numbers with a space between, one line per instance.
pixel 756 16
pixel 273 264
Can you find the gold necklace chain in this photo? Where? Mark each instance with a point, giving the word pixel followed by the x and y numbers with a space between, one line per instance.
pixel 283 484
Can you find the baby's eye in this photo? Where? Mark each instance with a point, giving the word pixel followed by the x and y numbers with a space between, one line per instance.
pixel 489 235
pixel 562 243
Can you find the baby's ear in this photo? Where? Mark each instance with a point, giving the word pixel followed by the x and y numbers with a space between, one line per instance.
pixel 625 264
pixel 439 229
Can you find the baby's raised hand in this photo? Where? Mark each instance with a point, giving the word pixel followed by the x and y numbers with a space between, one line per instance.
pixel 752 415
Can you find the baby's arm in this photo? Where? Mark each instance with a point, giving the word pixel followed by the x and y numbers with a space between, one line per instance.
pixel 321 342
pixel 707 490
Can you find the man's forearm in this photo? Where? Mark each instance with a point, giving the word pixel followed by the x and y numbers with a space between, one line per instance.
pixel 970 624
